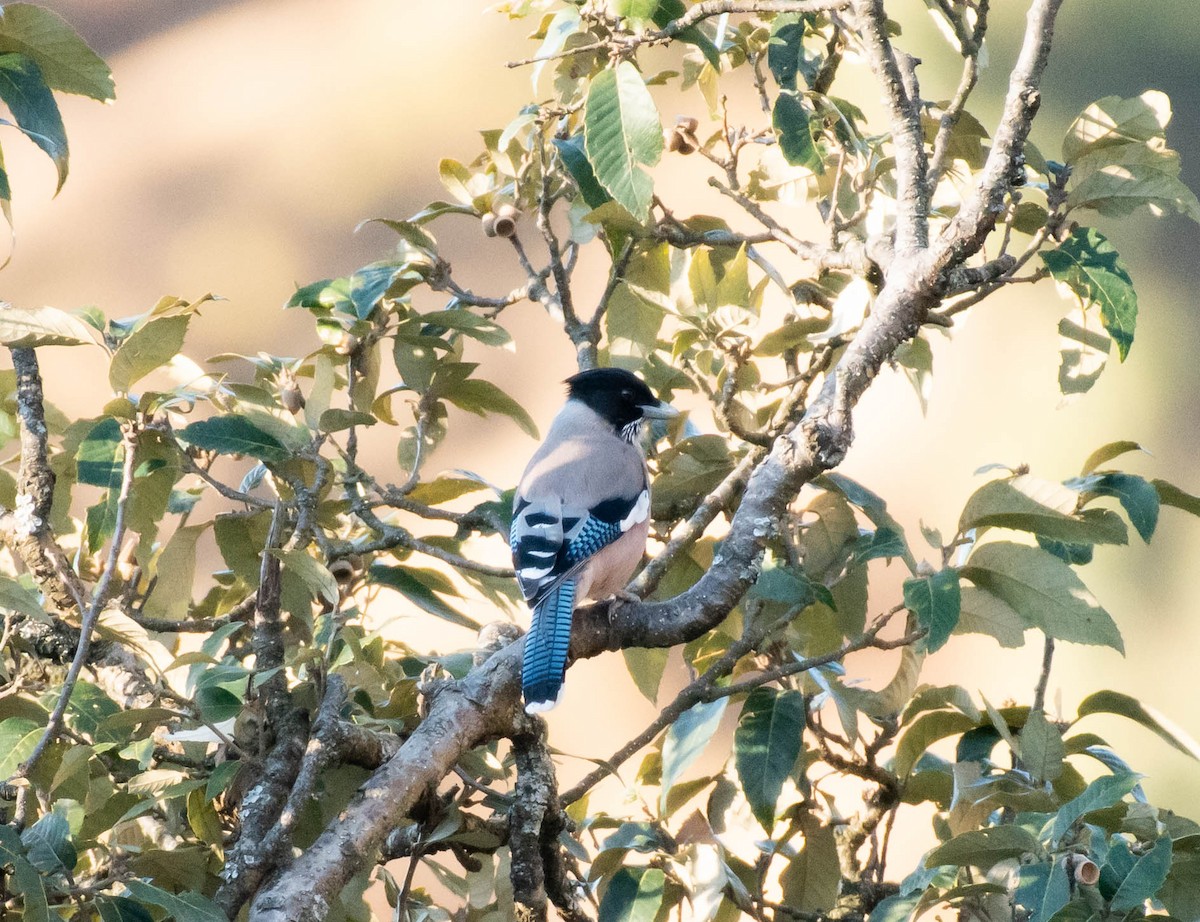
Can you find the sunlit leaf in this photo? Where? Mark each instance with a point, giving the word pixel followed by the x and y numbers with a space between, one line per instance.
pixel 622 134
pixel 1044 590
pixel 1087 264
pixel 67 63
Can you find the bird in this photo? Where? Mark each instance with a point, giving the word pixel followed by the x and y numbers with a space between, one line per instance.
pixel 581 514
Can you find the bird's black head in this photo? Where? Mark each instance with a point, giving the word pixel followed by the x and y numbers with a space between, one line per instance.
pixel 619 396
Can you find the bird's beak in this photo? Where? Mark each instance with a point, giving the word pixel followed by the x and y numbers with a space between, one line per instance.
pixel 659 410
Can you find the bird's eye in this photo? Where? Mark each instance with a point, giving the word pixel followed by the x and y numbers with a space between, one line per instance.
pixel 627 394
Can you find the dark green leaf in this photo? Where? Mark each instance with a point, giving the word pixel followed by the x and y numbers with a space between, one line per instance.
pixel 233 435
pixel 633 895
pixel 1088 265
pixel 937 603
pixel 48 845
pixel 96 461
pixel 412 583
pixel 122 909
pixel 622 133
pixel 576 162
pixel 670 10
pixel 26 880
pixel 1044 590
pixel 637 9
pixel 1099 795
pixel 982 848
pixel 1148 873
pixel 766 745
pixel 67 63
pixel 790 119
pixel 24 91
pixel 1135 494
pixel 786 56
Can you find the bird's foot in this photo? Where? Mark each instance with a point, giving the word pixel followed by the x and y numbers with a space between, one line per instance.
pixel 621 598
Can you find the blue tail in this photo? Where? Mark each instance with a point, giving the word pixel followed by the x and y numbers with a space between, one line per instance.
pixel 546 647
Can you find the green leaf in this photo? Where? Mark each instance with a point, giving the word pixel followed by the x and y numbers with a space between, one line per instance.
pixel 622 133
pixel 1083 352
pixel 1044 590
pixel 786 57
pixel 923 732
pixel 1138 497
pixel 48 845
pixel 32 105
pixel 637 9
pixel 88 709
pixel 982 848
pixel 633 895
pixel 670 10
pixel 1088 266
pixel 766 745
pixel 468 323
pixel 1143 880
pixel 1113 702
pixel 984 613
pixel 686 739
pixel 482 397
pixel 811 880
pixel 183 907
pixel 1042 750
pixel 790 119
pixel 145 349
pixel 175 570
pixel 26 880
pixel 646 667
pixel 42 326
pixel 229 435
pixel 314 574
pixel 1171 495
pixel 96 462
pixel 575 160
pixel 1119 158
pixel 1113 121
pixel 937 603
pixel 1043 507
pixel 122 909
pixel 412 583
pixel 67 63
pixel 1101 794
pixel 1106 453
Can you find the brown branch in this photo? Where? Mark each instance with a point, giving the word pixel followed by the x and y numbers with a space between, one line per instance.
pixel 27 530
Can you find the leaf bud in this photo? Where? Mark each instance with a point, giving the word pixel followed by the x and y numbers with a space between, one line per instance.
pixel 291 397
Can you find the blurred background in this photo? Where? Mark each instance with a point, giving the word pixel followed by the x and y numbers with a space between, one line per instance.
pixel 250 137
